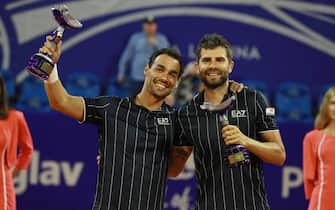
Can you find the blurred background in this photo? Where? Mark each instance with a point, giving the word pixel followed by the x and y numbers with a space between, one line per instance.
pixel 284 48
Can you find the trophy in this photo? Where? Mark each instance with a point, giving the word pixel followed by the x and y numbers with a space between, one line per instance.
pixel 237 154
pixel 40 65
pixel 234 155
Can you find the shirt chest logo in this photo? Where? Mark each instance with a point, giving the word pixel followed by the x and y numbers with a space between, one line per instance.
pixel 163 121
pixel 238 113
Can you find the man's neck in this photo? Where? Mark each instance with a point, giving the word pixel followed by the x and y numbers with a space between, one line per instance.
pixel 148 101
pixel 215 96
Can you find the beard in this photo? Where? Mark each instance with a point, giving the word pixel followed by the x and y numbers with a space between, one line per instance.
pixel 214 84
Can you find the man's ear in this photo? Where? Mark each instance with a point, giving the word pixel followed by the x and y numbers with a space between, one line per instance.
pixel 146 69
pixel 177 83
pixel 196 66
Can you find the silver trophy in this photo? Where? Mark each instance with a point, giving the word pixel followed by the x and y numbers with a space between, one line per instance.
pixel 234 155
pixel 40 65
pixel 237 154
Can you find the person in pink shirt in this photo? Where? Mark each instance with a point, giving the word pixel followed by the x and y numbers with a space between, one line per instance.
pixel 318 157
pixel 14 136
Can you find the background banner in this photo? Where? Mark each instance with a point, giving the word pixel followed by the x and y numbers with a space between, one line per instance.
pixel 273 42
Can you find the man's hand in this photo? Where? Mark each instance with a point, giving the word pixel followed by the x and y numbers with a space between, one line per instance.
pixel 235 86
pixel 232 135
pixel 52 48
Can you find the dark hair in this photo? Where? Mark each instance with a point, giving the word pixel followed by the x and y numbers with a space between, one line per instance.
pixel 3 99
pixel 211 41
pixel 170 52
pixel 149 19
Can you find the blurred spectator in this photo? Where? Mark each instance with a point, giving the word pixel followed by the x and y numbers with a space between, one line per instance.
pixel 14 136
pixel 318 159
pixel 188 86
pixel 139 48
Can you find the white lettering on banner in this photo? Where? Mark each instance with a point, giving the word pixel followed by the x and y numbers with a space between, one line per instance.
pixel 239 52
pixel 181 202
pixel 49 174
pixel 292 177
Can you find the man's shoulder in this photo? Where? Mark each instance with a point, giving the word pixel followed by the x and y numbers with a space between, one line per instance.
pixel 99 100
pixel 161 35
pixel 137 35
pixel 251 92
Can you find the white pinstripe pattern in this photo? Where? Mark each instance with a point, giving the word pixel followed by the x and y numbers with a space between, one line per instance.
pixel 211 157
pixel 160 170
pixel 243 190
pixel 248 134
pixel 202 148
pixel 124 156
pixel 252 188
pixel 232 186
pixel 238 177
pixel 232 174
pixel 114 147
pixel 134 155
pixel 114 160
pixel 221 161
pixel 247 110
pixel 195 150
pixel 260 188
pixel 321 172
pixel 152 166
pixel 105 123
pixel 142 173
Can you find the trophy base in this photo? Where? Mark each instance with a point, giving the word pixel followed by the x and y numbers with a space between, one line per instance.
pixel 40 66
pixel 237 155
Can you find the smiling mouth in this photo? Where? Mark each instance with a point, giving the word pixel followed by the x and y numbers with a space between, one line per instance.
pixel 161 86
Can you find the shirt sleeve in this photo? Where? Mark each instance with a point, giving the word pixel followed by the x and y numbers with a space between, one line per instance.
pixel 25 142
pixel 309 165
pixel 265 114
pixel 96 109
pixel 180 137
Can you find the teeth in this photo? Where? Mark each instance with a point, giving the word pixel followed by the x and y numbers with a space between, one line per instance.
pixel 161 86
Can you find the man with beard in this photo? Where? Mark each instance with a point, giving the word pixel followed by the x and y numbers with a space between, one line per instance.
pixel 231 134
pixel 135 133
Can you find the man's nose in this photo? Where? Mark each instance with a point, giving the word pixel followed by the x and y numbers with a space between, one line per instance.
pixel 212 64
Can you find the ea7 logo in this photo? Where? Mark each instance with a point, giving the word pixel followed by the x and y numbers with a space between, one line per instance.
pixel 238 113
pixel 163 121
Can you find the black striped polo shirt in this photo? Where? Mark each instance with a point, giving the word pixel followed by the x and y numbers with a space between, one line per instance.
pixel 220 187
pixel 134 145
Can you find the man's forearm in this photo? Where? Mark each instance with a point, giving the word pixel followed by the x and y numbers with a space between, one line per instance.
pixel 270 152
pixel 177 159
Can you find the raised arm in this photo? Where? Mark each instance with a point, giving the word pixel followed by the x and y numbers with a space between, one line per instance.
pixel 58 97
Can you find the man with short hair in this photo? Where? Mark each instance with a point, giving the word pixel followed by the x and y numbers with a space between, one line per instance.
pixel 231 135
pixel 135 133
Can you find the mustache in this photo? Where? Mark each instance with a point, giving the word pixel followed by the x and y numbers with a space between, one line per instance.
pixel 212 69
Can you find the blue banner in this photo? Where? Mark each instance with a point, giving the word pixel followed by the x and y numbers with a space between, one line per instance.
pixel 274 42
